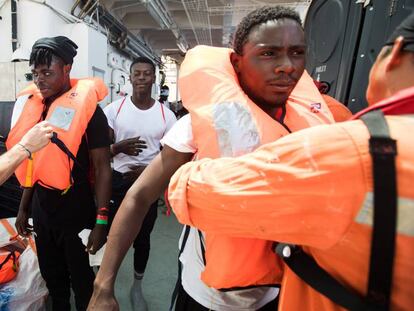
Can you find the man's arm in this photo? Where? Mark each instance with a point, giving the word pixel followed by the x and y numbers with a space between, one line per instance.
pixel 128 220
pixel 35 139
pixel 98 147
pixel 103 177
pixel 10 161
pixel 22 220
pixel 293 190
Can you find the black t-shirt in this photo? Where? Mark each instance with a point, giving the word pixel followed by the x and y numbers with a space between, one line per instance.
pixel 97 136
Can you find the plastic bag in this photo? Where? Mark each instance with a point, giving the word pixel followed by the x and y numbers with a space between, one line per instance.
pixel 27 291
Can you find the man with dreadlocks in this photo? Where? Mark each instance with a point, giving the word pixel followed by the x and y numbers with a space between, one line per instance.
pixel 267 63
pixel 57 188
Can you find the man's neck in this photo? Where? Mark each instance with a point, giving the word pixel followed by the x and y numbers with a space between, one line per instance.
pixel 142 100
pixel 275 112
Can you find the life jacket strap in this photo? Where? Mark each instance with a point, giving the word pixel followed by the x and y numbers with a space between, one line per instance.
pixel 61 145
pixel 383 150
pixel 180 268
pixel 306 268
pixel 28 181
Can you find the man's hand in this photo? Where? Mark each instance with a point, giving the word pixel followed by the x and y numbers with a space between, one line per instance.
pixel 102 299
pixel 97 238
pixel 133 174
pixel 22 223
pixel 131 146
pixel 37 137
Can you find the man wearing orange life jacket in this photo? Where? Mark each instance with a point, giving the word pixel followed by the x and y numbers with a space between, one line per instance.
pixel 225 119
pixel 34 140
pixel 342 192
pixel 57 187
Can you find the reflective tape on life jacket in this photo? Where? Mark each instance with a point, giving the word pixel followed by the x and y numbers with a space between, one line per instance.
pixel 69 114
pixel 225 122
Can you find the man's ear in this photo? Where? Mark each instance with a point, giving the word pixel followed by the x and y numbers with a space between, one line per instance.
pixel 235 60
pixel 394 59
pixel 67 68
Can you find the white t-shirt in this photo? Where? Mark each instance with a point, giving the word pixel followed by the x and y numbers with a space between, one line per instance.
pixel 180 138
pixel 150 125
pixel 18 109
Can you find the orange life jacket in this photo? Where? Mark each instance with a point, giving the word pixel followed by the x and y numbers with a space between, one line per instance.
pixel 50 166
pixel 339 111
pixel 225 122
pixel 9 259
pixel 9 265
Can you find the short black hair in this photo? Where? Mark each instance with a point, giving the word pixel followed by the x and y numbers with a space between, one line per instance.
pixel 142 59
pixel 258 17
pixel 388 50
pixel 42 56
pixel 165 87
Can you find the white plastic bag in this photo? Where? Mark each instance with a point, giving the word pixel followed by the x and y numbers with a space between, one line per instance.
pixel 27 291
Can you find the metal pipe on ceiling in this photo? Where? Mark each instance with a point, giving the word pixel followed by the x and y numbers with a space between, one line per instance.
pixel 14 24
pixel 161 13
pixel 134 45
pixel 74 6
pixel 87 11
pixel 197 14
pixel 85 8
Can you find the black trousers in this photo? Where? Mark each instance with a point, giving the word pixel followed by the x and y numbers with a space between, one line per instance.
pixel 142 241
pixel 63 262
pixel 186 303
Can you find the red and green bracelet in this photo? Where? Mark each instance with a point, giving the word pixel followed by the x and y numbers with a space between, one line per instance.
pixel 101 219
